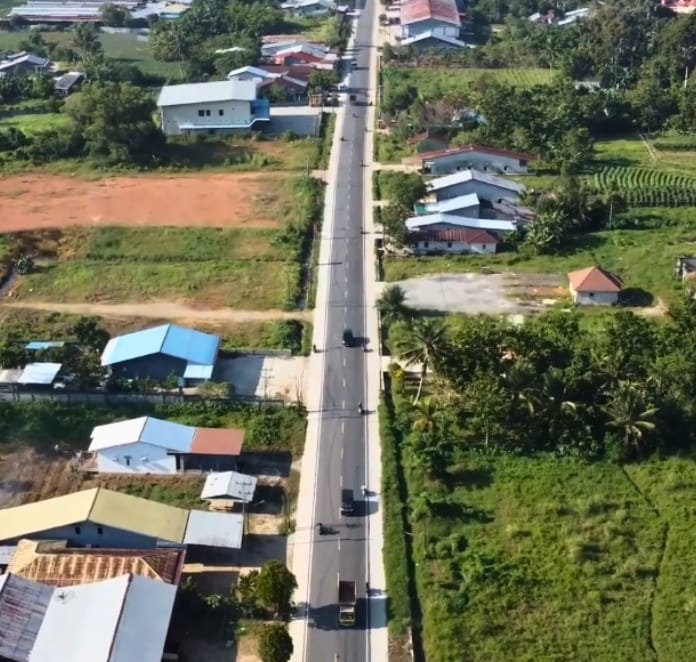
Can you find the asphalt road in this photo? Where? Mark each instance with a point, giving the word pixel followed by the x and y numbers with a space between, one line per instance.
pixel 342 449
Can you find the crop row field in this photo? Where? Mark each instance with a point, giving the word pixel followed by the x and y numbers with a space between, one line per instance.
pixel 648 187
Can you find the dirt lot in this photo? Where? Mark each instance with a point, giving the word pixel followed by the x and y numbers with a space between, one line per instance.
pixel 478 293
pixel 31 202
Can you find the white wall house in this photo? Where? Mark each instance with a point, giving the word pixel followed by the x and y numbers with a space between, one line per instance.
pixel 454 242
pixel 594 286
pixel 226 106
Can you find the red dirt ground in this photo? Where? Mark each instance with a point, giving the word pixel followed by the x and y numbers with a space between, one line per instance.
pixel 33 202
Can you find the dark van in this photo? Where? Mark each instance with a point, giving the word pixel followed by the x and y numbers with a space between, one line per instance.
pixel 347 502
pixel 348 338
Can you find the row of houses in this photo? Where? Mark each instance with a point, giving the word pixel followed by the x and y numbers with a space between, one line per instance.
pixel 90 11
pixel 93 576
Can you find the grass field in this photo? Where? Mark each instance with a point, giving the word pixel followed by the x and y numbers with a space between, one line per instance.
pixel 643 258
pixel 551 559
pixel 435 82
pixel 35 122
pixel 125 48
pixel 231 268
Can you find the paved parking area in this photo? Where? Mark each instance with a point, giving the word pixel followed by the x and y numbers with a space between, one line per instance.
pixel 265 376
pixel 476 293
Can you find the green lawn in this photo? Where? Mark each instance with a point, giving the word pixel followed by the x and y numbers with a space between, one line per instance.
pixel 644 258
pixel 545 559
pixel 123 47
pixel 35 122
pixel 436 82
pixel 232 268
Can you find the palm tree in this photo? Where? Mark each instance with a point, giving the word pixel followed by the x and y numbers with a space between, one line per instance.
pixel 426 415
pixel 420 346
pixel 631 414
pixel 391 304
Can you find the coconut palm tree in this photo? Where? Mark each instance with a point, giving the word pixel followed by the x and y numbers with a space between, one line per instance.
pixel 391 304
pixel 420 346
pixel 426 415
pixel 631 414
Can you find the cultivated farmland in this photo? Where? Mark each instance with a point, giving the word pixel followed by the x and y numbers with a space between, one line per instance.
pixel 648 187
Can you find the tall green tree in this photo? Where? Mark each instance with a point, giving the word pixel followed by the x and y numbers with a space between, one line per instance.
pixel 116 121
pixel 275 643
pixel 421 345
pixel 86 39
pixel 275 585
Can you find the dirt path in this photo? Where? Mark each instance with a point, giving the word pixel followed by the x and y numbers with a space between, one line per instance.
pixel 169 310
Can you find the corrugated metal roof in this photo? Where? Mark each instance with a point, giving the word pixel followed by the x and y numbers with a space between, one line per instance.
pixel 229 485
pixel 6 553
pixel 53 564
pixel 97 505
pixel 423 222
pixel 215 529
pixel 414 11
pixel 115 620
pixel 39 373
pixel 196 371
pixel 177 341
pixel 38 345
pixel 130 513
pixel 473 175
pixel 20 521
pixel 466 235
pixel 222 90
pixel 23 605
pixel 146 429
pixel 217 441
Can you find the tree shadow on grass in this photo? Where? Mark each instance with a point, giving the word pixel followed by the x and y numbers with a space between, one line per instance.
pixel 473 479
pixel 636 296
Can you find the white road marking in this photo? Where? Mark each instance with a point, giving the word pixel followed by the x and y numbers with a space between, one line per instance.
pixel 343 427
pixel 344 382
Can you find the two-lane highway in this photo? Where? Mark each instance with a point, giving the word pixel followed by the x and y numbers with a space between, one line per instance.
pixel 342 453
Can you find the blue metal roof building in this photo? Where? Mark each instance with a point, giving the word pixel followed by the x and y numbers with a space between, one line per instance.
pixel 161 351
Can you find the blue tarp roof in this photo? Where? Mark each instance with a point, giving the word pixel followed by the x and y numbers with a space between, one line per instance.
pixel 39 373
pixel 44 344
pixel 187 344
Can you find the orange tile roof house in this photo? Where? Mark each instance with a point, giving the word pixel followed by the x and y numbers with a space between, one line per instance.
pixel 594 286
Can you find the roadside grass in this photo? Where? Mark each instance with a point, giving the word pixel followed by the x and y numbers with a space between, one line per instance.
pixel 181 491
pixel 277 334
pixel 670 485
pixel 35 122
pixel 242 154
pixel 237 268
pixel 549 558
pixel 644 258
pixel 389 149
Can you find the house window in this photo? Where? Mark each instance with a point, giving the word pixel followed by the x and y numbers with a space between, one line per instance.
pixel 591 295
pixel 211 132
pixel 523 162
pixel 483 247
pixel 426 244
pixel 221 112
pixel 78 530
pixel 100 530
pixel 207 113
pixel 449 244
pixel 201 113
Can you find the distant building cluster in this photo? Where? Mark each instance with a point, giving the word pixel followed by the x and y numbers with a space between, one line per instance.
pixel 560 20
pixel 90 11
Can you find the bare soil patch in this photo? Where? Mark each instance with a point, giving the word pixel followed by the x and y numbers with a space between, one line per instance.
pixel 39 201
